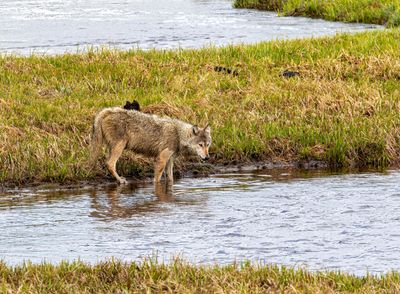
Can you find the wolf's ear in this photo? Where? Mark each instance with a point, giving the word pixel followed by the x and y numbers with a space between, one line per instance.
pixel 207 128
pixel 195 130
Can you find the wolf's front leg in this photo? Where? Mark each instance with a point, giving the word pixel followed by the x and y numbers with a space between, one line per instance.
pixel 160 164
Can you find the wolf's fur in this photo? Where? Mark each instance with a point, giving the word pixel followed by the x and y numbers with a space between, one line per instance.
pixel 160 137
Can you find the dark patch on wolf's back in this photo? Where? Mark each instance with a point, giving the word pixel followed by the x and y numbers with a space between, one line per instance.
pixel 132 106
pixel 226 70
pixel 290 74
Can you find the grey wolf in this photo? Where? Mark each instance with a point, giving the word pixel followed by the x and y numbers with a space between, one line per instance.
pixel 132 106
pixel 163 138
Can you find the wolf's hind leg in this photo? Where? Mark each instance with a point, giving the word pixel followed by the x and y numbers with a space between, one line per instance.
pixel 115 153
pixel 161 161
pixel 170 170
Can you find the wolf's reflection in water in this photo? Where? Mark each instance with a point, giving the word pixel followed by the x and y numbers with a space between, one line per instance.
pixel 117 202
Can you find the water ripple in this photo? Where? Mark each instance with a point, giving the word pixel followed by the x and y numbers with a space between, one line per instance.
pixel 323 221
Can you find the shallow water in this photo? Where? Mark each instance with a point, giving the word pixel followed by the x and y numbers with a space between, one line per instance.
pixel 57 26
pixel 322 221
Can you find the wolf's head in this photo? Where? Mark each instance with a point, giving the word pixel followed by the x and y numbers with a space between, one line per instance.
pixel 201 141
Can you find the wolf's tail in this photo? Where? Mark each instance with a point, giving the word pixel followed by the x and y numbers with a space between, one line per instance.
pixel 97 139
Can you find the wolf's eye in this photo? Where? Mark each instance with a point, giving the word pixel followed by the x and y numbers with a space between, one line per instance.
pixel 201 144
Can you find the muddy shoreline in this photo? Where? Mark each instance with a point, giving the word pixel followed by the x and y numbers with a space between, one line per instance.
pixel 191 170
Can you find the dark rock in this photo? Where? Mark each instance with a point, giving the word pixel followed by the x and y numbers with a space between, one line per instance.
pixel 226 70
pixel 290 74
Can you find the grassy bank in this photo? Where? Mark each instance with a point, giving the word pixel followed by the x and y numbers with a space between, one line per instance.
pixel 383 12
pixel 343 109
pixel 180 277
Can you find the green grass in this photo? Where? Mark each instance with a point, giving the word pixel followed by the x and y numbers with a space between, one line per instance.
pixel 150 276
pixel 343 109
pixel 383 12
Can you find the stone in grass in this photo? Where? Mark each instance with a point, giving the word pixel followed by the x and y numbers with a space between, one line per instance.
pixel 290 74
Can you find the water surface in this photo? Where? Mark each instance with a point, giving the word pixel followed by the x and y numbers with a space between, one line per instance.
pixel 56 26
pixel 346 222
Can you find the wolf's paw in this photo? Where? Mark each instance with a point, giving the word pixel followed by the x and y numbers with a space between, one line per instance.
pixel 122 181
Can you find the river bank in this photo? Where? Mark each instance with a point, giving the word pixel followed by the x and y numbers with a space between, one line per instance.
pixel 342 109
pixel 361 11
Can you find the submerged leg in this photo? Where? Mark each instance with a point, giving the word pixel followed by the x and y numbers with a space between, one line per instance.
pixel 115 153
pixel 170 170
pixel 160 163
